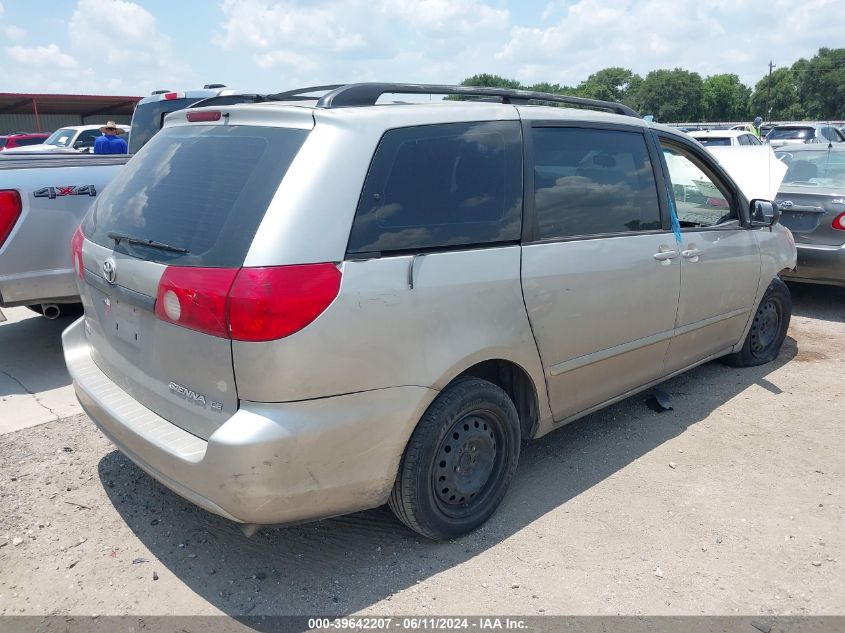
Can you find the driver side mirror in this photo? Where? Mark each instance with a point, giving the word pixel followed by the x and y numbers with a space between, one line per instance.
pixel 764 213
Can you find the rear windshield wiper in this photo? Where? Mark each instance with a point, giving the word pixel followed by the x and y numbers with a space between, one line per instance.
pixel 122 237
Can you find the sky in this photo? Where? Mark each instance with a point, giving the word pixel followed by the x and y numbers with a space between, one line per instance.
pixel 122 47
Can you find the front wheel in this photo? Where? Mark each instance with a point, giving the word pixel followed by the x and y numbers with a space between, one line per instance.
pixel 768 329
pixel 459 461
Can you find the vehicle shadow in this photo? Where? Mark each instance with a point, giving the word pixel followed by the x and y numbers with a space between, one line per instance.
pixel 349 563
pixel 818 302
pixel 31 355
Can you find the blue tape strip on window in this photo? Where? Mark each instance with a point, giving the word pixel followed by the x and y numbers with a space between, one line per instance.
pixel 673 216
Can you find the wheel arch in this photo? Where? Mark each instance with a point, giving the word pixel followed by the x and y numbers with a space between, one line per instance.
pixel 516 382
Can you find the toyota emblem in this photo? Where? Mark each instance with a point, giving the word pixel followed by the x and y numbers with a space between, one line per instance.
pixel 110 270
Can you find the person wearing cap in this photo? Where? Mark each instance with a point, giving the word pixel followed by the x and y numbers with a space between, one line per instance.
pixel 109 142
pixel 758 122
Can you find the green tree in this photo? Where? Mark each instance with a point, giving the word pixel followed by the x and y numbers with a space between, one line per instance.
pixel 781 93
pixel 820 82
pixel 670 95
pixel 610 84
pixel 492 81
pixel 557 89
pixel 724 98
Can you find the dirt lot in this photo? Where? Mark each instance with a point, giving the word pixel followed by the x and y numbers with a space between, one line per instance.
pixel 731 503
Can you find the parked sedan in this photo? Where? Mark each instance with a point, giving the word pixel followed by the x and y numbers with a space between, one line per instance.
pixel 725 137
pixel 812 203
pixel 781 135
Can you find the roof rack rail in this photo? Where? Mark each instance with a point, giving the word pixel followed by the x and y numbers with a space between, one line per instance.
pixel 301 94
pixel 364 94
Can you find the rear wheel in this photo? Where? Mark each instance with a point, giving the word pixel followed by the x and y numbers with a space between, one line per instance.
pixel 459 461
pixel 768 329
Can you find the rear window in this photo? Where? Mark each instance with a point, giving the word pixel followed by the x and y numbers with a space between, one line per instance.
pixel 822 168
pixel 779 133
pixel 438 186
pixel 200 188
pixel 713 140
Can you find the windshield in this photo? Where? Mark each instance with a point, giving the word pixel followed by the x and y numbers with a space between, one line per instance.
pixel 822 168
pixel 61 138
pixel 713 140
pixel 203 189
pixel 790 133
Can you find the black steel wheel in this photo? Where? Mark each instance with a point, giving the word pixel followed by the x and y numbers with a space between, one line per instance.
pixel 768 328
pixel 459 461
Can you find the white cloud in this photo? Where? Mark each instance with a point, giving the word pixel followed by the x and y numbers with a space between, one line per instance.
pixel 122 40
pixel 10 32
pixel 448 16
pixel 42 56
pixel 722 36
pixel 357 40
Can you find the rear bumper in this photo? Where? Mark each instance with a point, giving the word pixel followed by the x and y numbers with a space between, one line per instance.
pixel 819 264
pixel 269 463
pixel 41 286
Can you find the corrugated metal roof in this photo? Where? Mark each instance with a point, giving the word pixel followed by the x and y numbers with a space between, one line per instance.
pixel 79 105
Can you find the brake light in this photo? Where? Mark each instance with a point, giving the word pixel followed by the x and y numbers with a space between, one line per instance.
pixel 270 303
pixel 204 115
pixel 10 211
pixel 246 304
pixel 195 298
pixel 76 251
pixel 171 95
pixel 838 222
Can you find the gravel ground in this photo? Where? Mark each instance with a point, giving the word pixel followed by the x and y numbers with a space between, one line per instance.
pixel 730 503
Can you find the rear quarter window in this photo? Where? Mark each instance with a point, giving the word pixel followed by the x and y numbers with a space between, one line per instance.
pixel 440 186
pixel 200 188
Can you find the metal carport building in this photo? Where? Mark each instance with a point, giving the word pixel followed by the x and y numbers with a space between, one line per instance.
pixel 21 112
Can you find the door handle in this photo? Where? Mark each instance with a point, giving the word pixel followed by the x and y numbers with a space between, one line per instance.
pixel 665 256
pixel 692 253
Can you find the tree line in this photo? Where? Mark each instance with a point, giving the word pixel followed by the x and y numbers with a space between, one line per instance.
pixel 809 89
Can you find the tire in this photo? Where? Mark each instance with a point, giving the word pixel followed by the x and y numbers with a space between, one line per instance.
pixel 459 461
pixel 768 330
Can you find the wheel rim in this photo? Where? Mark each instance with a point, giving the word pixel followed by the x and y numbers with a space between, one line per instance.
pixel 765 328
pixel 468 463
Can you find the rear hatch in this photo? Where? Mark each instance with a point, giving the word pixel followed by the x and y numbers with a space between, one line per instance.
pixel 790 135
pixel 160 252
pixel 812 195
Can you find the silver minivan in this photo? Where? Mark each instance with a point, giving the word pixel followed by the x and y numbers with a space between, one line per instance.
pixel 314 306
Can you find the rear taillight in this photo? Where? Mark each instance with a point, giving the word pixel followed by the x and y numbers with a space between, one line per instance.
pixel 195 298
pixel 270 303
pixel 76 251
pixel 839 222
pixel 246 304
pixel 10 211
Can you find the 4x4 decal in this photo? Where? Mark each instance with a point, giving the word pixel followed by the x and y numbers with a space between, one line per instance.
pixel 68 190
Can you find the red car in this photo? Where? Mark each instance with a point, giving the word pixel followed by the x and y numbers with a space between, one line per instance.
pixel 10 141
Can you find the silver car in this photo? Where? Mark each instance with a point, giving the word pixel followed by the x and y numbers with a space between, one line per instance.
pixel 306 308
pixel 792 133
pixel 812 201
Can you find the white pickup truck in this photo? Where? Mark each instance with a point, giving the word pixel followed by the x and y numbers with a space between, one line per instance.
pixel 44 196
pixel 74 138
